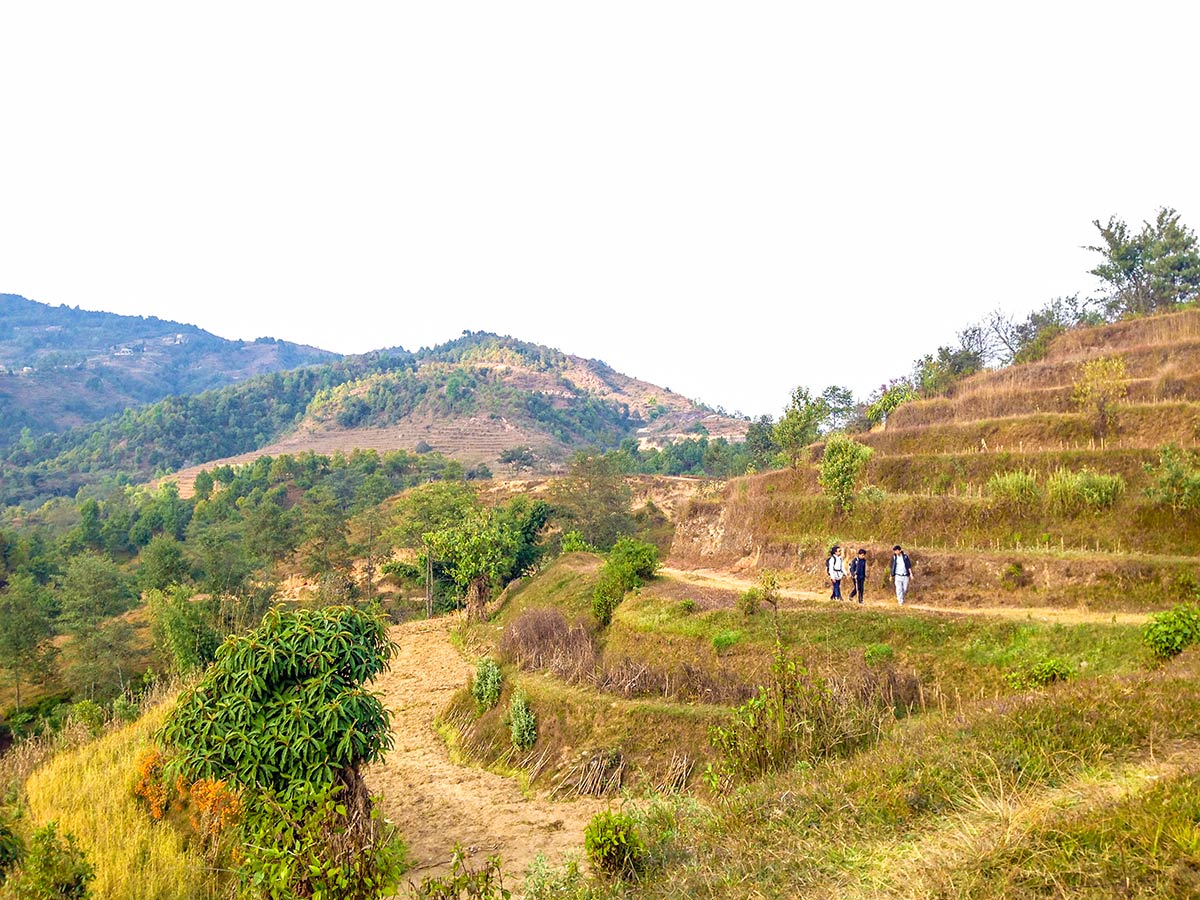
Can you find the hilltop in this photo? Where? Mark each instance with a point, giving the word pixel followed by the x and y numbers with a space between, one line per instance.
pixel 62 367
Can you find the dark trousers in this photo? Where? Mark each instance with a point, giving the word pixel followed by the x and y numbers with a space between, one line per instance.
pixel 860 585
pixel 837 590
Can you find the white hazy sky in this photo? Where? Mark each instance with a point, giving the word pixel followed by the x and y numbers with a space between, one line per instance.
pixel 728 199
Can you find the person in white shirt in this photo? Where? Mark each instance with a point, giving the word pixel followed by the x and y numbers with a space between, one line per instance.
pixel 836 567
pixel 901 572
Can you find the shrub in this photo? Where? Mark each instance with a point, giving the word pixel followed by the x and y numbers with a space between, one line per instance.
pixel 748 601
pixel 1168 633
pixel 606 596
pixel 878 653
pixel 486 883
pixel 53 868
pixel 522 722
pixel 723 640
pixel 1175 481
pixel 636 561
pixel 1101 384
pixel 613 845
pixel 545 882
pixel 1014 577
pixel 841 465
pixel 88 714
pixel 10 849
pixel 573 542
pixel 1040 674
pixel 1014 491
pixel 1069 493
pixel 487 684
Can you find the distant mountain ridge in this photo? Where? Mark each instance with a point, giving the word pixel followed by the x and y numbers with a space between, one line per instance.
pixel 473 399
pixel 63 367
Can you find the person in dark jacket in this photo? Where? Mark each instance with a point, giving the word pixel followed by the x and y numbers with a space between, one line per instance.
pixel 902 571
pixel 858 571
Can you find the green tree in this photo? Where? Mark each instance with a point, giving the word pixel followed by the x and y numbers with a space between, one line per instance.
pixel 888 398
pixel 1155 269
pixel 841 466
pixel 477 550
pixel 760 443
pixel 595 499
pixel 325 547
pixel 162 563
pixel 25 648
pixel 284 714
pixel 93 589
pixel 520 458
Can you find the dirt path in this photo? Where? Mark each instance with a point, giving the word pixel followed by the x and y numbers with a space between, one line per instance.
pixel 436 803
pixel 887 600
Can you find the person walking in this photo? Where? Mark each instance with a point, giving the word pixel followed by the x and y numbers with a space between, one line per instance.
pixel 836 567
pixel 901 572
pixel 858 571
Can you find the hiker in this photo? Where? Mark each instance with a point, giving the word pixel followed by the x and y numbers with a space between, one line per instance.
pixel 836 567
pixel 858 571
pixel 901 572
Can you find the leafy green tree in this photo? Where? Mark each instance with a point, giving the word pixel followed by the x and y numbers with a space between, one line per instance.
pixel 431 507
pixel 92 590
pixel 800 425
pixel 478 550
pixel 162 563
pixel 25 648
pixel 594 499
pixel 888 398
pixel 284 714
pixel 760 443
pixel 203 485
pixel 1155 269
pixel 841 466
pixel 325 546
pixel 183 629
pixel 520 458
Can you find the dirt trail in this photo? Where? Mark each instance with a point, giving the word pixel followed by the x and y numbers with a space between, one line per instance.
pixel 436 803
pixel 886 600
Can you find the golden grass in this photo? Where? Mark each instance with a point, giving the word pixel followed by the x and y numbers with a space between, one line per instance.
pixel 89 791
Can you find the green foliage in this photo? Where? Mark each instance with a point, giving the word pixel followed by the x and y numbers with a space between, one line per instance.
pixel 748 601
pixel 794 717
pixel 546 882
pixel 595 499
pixel 310 846
pixel 1070 493
pixel 285 707
pixel 488 683
pixel 1168 633
pixel 629 564
pixel 522 722
pixel 878 653
pixel 1174 479
pixel 1155 269
pixel 463 882
pixel 888 398
pixel 90 715
pixel 1015 492
pixel 800 424
pixel 613 845
pixel 1100 385
pixel 1040 674
pixel 183 629
pixel 11 847
pixel 841 465
pixel 723 640
pixel 477 551
pixel 25 648
pixel 520 458
pixel 53 868
pixel 573 542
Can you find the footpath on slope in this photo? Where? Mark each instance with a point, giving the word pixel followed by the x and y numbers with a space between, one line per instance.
pixel 880 598
pixel 435 802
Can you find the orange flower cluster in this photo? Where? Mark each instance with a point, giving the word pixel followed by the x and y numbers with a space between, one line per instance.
pixel 150 785
pixel 217 807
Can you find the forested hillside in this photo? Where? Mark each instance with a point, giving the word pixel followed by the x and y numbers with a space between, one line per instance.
pixel 63 367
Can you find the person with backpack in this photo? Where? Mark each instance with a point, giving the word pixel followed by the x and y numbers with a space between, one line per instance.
pixel 836 567
pixel 902 570
pixel 858 571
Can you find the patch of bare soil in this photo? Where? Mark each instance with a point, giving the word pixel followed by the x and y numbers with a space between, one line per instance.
pixel 437 803
pixel 718 579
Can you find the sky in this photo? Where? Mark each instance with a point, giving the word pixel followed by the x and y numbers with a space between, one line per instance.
pixel 727 199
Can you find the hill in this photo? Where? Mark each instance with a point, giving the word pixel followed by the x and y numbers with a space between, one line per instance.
pixel 471 399
pixel 994 486
pixel 62 367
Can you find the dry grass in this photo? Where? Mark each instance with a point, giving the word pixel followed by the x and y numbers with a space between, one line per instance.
pixel 89 791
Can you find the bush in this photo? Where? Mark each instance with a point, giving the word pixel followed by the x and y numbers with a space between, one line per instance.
pixel 1168 633
pixel 88 714
pixel 606 596
pixel 486 883
pixel 522 722
pixel 1014 491
pixel 1070 493
pixel 1175 481
pixel 54 868
pixel 636 561
pixel 748 601
pixel 841 465
pixel 573 542
pixel 487 684
pixel 613 845
pixel 10 849
pixel 1040 674
pixel 544 882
